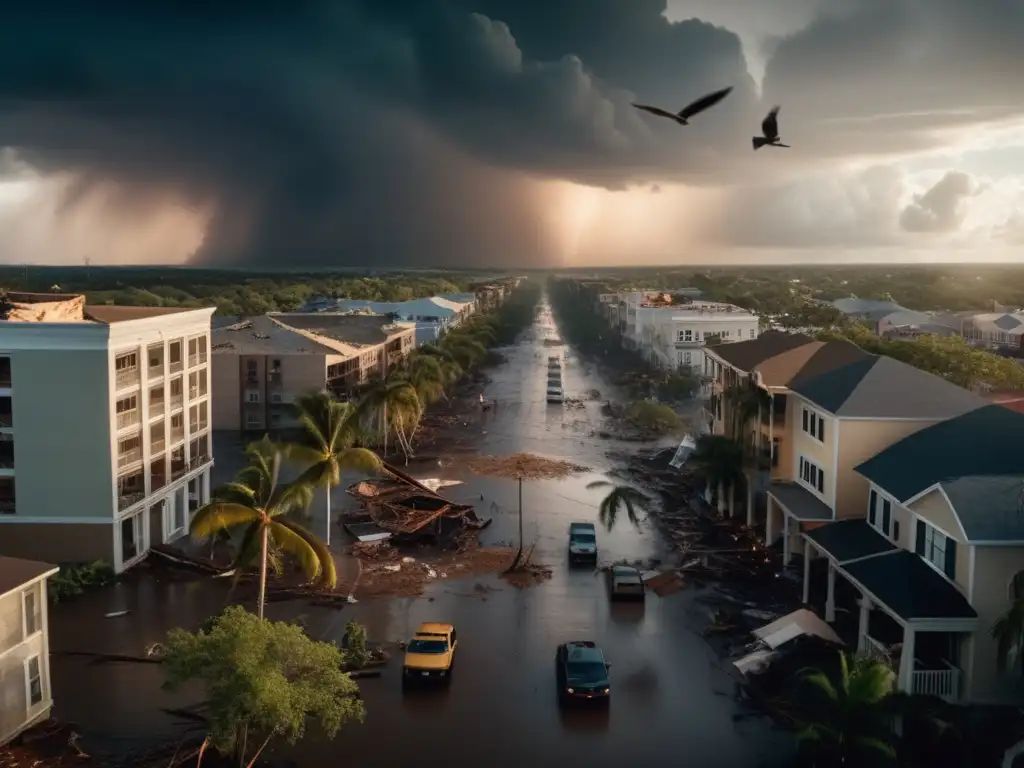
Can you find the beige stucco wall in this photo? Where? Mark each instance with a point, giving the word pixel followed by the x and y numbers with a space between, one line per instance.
pixel 64 463
pixel 859 440
pixel 994 568
pixel 802 444
pixel 225 381
pixel 15 714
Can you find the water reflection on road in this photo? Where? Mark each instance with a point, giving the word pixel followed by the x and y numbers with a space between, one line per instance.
pixel 672 700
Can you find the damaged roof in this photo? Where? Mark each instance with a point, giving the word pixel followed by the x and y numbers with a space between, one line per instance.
pixel 745 355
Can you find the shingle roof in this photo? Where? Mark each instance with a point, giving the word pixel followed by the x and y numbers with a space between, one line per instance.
pixel 984 441
pixel 799 502
pixel 811 359
pixel 347 329
pixel 15 572
pixel 880 387
pixel 990 508
pixel 847 540
pixel 909 587
pixel 1007 322
pixel 744 355
pixel 975 458
pixel 262 336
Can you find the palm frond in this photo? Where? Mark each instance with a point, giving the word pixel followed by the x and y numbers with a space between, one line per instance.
pixel 362 459
pixel 875 745
pixel 313 558
pixel 818 679
pixel 249 548
pixel 214 517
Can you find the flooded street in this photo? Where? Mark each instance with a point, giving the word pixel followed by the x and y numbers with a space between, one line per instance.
pixel 671 698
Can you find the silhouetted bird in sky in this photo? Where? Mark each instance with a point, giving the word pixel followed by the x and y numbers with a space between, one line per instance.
pixel 684 115
pixel 770 129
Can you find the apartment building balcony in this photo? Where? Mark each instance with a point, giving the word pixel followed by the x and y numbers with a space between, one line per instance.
pixel 177 433
pixel 124 378
pixel 129 451
pixel 179 466
pixel 196 360
pixel 177 400
pixel 157 474
pixel 197 391
pixel 275 379
pixel 128 419
pixel 156 406
pixel 176 362
pixel 131 489
pixel 761 459
pixel 155 362
pixel 198 424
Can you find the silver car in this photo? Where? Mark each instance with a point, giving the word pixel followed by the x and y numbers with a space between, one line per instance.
pixel 626 583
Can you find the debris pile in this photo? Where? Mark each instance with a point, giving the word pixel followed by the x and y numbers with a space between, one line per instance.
pixel 405 510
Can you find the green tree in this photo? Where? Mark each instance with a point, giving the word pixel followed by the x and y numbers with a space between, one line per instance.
pixel 743 403
pixel 621 499
pixel 257 501
pixel 465 349
pixel 719 459
pixel 654 416
pixel 427 377
pixel 265 678
pixel 325 446
pixel 390 407
pixel 843 714
pixel 1008 631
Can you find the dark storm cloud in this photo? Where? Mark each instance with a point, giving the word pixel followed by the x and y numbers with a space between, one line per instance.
pixel 359 132
pixel 888 76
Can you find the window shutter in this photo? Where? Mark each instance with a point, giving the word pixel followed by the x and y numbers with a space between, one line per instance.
pixel 821 429
pixel 872 502
pixel 821 481
pixel 950 568
pixel 919 547
pixel 806 429
pixel 886 515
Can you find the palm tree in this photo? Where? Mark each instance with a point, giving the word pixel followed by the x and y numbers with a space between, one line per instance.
pixel 390 406
pixel 845 717
pixel 259 502
pixel 449 367
pixel 1008 631
pixel 466 350
pixel 427 377
pixel 621 498
pixel 744 403
pixel 325 446
pixel 719 458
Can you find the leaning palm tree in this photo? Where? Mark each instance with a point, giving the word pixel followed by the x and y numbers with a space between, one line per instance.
pixel 466 350
pixel 325 447
pixel 718 458
pixel 449 367
pixel 390 406
pixel 845 715
pixel 621 498
pixel 259 502
pixel 427 376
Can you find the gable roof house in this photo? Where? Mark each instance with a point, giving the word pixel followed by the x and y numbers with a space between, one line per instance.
pixel 937 553
pixel 841 418
pixel 753 378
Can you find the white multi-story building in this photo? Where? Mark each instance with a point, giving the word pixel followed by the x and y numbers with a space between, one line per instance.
pixel 672 335
pixel 105 443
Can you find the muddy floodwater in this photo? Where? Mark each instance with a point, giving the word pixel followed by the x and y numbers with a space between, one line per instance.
pixel 672 700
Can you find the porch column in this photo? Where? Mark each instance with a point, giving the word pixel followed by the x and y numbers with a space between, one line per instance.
pixel 906 679
pixel 787 548
pixel 750 505
pixel 769 528
pixel 830 600
pixel 205 498
pixel 732 500
pixel 807 571
pixel 862 627
pixel 720 503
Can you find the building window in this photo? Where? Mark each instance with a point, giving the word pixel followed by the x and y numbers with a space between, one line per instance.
pixel 812 475
pixel 814 425
pixel 872 505
pixel 31 614
pixel 34 680
pixel 937 548
pixel 880 515
pixel 687 358
pixel 686 335
pixel 753 333
pixel 252 397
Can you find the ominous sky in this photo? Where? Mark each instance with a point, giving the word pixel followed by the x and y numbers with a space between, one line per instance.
pixel 500 132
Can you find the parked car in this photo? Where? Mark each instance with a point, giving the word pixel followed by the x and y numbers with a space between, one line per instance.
pixel 582 542
pixel 581 673
pixel 625 582
pixel 555 394
pixel 430 654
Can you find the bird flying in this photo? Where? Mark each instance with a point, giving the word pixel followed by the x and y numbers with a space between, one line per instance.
pixel 770 129
pixel 683 116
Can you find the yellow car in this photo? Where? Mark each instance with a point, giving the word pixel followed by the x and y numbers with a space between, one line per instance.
pixel 430 654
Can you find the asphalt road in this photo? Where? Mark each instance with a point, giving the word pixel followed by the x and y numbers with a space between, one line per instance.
pixel 672 699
